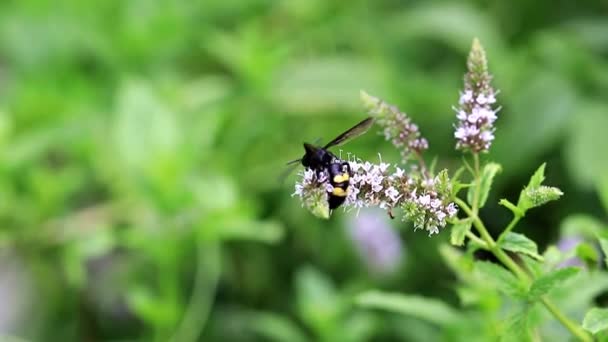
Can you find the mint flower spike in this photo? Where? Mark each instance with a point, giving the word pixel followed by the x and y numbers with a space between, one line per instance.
pixel 424 201
pixel 475 127
pixel 398 128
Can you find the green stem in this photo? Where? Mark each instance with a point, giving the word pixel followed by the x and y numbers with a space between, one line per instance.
pixel 508 261
pixel 477 240
pixel 205 283
pixel 477 184
pixel 492 246
pixel 574 328
pixel 510 227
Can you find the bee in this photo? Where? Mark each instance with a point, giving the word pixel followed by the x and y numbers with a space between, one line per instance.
pixel 321 160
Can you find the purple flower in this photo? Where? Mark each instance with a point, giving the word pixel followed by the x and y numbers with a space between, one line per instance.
pixel 376 242
pixel 475 114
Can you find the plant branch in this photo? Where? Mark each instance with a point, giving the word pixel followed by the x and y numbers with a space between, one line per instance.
pixel 506 260
pixel 477 240
pixel 511 225
pixel 574 328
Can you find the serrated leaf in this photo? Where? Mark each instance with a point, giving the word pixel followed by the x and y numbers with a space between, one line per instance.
pixel 596 320
pixel 535 194
pixel 487 177
pixel 535 197
pixel 519 243
pixel 429 309
pixel 459 232
pixel 500 278
pixel 538 177
pixel 551 280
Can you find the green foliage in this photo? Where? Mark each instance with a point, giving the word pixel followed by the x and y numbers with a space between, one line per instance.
pixel 519 243
pixel 427 309
pixel 459 231
pixel 596 320
pixel 141 142
pixel 535 194
pixel 550 280
pixel 499 278
pixel 487 177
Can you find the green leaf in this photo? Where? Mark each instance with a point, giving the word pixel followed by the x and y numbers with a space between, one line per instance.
pixel 596 320
pixel 602 189
pixel 519 243
pixel 603 239
pixel 538 177
pixel 535 194
pixel 485 183
pixel 588 254
pixel 428 309
pixel 500 278
pixel 459 231
pixel 551 280
pixel 317 299
pixel 274 327
pixel 582 226
pixel 517 327
pixel 535 197
pixel 487 177
pixel 458 262
pixel 585 161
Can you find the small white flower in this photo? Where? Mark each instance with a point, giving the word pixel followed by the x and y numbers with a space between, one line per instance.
pixel 399 173
pixel 452 209
pixel 376 187
pixel 440 215
pixel 392 193
pixel 491 99
pixel 462 115
pixel 383 167
pixel 487 136
pixel 424 200
pixel 299 188
pixel 435 203
pixel 487 113
pixel 466 97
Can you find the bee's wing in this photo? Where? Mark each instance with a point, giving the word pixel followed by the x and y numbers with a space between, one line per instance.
pixel 292 165
pixel 353 132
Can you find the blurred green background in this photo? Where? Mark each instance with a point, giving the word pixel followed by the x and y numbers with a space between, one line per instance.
pixel 141 144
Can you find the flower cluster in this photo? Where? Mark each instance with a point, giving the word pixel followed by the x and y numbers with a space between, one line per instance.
pixel 313 192
pixel 397 126
pixel 428 207
pixel 475 128
pixel 425 201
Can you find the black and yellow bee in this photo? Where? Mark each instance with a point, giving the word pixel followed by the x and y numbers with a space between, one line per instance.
pixel 321 160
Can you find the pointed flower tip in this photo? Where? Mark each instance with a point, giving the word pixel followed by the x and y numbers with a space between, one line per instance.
pixel 369 102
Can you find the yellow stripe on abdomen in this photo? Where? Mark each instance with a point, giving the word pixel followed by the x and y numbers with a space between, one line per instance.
pixel 339 192
pixel 341 178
